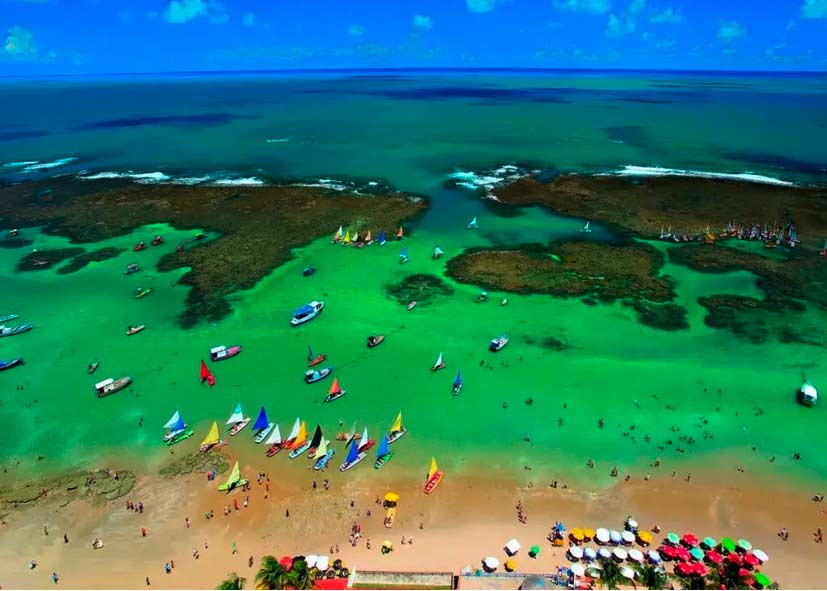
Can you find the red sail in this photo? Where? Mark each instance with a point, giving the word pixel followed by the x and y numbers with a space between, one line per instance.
pixel 206 375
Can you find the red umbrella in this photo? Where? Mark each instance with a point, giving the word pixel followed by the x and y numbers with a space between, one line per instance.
pixel 683 554
pixel 750 560
pixel 668 551
pixel 734 558
pixel 714 557
pixel 743 573
pixel 683 569
pixel 699 569
pixel 690 539
pixel 286 561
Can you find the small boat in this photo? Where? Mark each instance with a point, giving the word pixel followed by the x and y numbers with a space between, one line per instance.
pixel 314 360
pixel 403 256
pixel 383 453
pixel 262 426
pixel 439 364
pixel 400 233
pixel 354 456
pixel 438 252
pixel 157 240
pixel 365 442
pixel 234 481
pixel 287 443
pixel 807 394
pixel 368 239
pixel 346 239
pixel 335 391
pixel 308 271
pixel 337 236
pixel 110 386
pixel 273 442
pixel 306 313
pixel 138 247
pixel 10 331
pixel 237 420
pixel 435 476
pixel 301 444
pixel 206 375
pixel 130 330
pixel 223 352
pixel 315 442
pixel 12 363
pixel 457 384
pixel 323 455
pixel 504 302
pixel 314 375
pixel 8 317
pixel 481 297
pixel 212 439
pixel 473 225
pixel 131 268
pixel 92 367
pixel 142 291
pixel 498 344
pixel 412 305
pixel 375 341
pixel 177 430
pixel 586 227
pixel 397 430
pixel 13 232
pixel 381 238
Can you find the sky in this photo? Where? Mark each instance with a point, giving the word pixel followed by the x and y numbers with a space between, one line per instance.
pixel 44 37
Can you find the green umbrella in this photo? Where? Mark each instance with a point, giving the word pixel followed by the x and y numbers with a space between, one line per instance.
pixel 696 553
pixel 744 545
pixel 762 579
pixel 710 542
pixel 535 550
pixel 673 538
pixel 728 544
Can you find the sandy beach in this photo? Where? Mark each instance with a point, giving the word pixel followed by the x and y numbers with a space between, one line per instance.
pixel 465 520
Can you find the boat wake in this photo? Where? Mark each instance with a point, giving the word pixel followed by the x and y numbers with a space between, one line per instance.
pixel 631 170
pixel 36 165
pixel 278 140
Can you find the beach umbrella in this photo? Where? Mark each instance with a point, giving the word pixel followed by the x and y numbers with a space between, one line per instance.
pixel 392 497
pixel 668 552
pixel 635 555
pixel 615 537
pixel 696 553
pixel 751 560
pixel 762 579
pixel 683 569
pixel 323 562
pixel 746 576
pixel 286 561
pixel 534 551
pixel 311 560
pixel 576 552
pixel 714 557
pixel 620 553
pixel 510 565
pixel 683 554
pixel 577 534
pixel 699 569
pixel 728 544
pixel 604 553
pixel 602 535
pixel 644 537
pixel 627 573
pixel 761 555
pixel 710 543
pixel 744 545
pixel 627 537
pixel 577 570
pixel 654 556
pixel 491 563
pixel 672 538
pixel 690 539
pixel 734 558
pixel 559 527
pixel 588 534
pixel 589 554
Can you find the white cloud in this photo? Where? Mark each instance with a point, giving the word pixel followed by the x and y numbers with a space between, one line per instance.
pixel 480 5
pixel 668 15
pixel 356 30
pixel 637 5
pixel 618 27
pixel 249 19
pixel 421 21
pixel 184 11
pixel 731 30
pixel 814 9
pixel 590 6
pixel 19 44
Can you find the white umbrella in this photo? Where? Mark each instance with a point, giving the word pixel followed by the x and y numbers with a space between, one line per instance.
pixel 578 569
pixel 604 553
pixel 311 559
pixel 602 535
pixel 627 572
pixel 761 555
pixel 636 555
pixel 627 537
pixel 654 556
pixel 322 563
pixel 491 563
pixel 576 551
pixel 620 553
pixel 512 546
pixel 615 536
pixel 589 553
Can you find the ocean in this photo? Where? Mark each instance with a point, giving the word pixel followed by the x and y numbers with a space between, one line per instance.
pixel 700 397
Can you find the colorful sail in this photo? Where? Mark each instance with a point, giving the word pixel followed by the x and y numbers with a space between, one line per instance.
pixel 212 435
pixel 404 254
pixel 237 415
pixel 173 421
pixel 338 235
pixel 353 453
pixel 368 237
pixel 355 237
pixel 381 238
pixel 334 387
pixel 433 468
pixel 473 223
pixel 206 374
pixel 235 476
pixel 317 437
pixel 397 424
pixel 321 450
pixel 294 432
pixel 458 380
pixel 302 435
pixel 399 233
pixel 439 361
pixel 347 238
pixel 179 425
pixel 275 437
pixel 384 449
pixel 438 252
pixel 261 421
pixel 364 439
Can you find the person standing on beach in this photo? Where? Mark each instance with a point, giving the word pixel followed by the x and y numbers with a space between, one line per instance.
pixel 65 538
pixel 55 578
pixel 147 582
pixel 45 531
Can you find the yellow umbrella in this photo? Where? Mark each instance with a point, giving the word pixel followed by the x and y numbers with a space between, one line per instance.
pixel 392 497
pixel 577 534
pixel 387 544
pixel 510 565
pixel 644 537
pixel 588 533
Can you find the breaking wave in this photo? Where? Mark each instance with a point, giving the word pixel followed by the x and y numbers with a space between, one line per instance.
pixel 631 170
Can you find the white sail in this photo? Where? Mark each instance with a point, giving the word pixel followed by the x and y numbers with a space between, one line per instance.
pixel 364 437
pixel 322 449
pixel 438 360
pixel 438 251
pixel 275 437
pixel 236 417
pixel 295 432
pixel 341 231
pixel 175 418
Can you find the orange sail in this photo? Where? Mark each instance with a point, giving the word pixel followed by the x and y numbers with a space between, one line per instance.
pixel 399 233
pixel 335 388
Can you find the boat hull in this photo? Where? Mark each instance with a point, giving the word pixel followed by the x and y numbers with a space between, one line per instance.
pixel 433 482
pixel 274 449
pixel 438 367
pixel 311 378
pixel 336 396
pixel 383 460
pixel 10 332
pixel 143 293
pixel 236 429
pixel 262 435
pixel 225 353
pixel 299 451
pixel 134 330
pixel 317 309
pixel 316 360
pixel 376 342
pixel 347 466
pixel 10 364
pixel 396 436
pixel 114 387
pixel 322 462
pixel 185 434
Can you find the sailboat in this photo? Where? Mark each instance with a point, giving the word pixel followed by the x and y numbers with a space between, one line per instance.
pixel 206 374
pixel 586 227
pixel 335 391
pixel 300 445
pixel 177 430
pixel 273 442
pixel 237 420
pixel 457 384
pixel 315 442
pixel 337 237
pixel 439 364
pixel 472 225
pixel 368 238
pixel 381 238
pixel 397 429
pixel 383 454
pixel 234 481
pixel 313 360
pixel 354 456
pixel 346 239
pixel 365 443
pixel 438 252
pixel 262 426
pixel 403 256
pixel 212 439
pixel 294 433
pixel 323 455
pixel 399 233
pixel 434 477
pixel 346 435
pixel 355 237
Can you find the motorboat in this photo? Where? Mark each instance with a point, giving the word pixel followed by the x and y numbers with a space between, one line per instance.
pixel 307 313
pixel 498 344
pixel 315 375
pixel 222 352
pixel 110 386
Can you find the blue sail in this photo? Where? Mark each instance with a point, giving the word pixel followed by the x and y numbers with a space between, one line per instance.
pixel 404 253
pixel 381 237
pixel 179 425
pixel 383 447
pixel 458 379
pixel 353 453
pixel 261 421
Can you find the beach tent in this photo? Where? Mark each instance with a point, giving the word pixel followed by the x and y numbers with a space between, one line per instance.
pixel 512 547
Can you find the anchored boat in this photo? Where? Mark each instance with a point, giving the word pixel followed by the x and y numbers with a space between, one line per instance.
pixel 234 481
pixel 315 375
pixel 381 238
pixel 365 442
pixel 130 330
pixel 10 331
pixel 157 240
pixel 110 386
pixel 587 229
pixel 142 292
pixel 315 442
pixel 335 391
pixel 237 420
pixel 383 454
pixel 439 364
pixel 457 384
pixel 307 313
pixel 301 444
pixel 354 456
pixel 323 455
pixel 176 430
pixel 11 363
pixel 92 367
pixel 313 360
pixel 438 252
pixel 140 246
pixel 206 375
pixel 212 439
pixel 222 352
pixel 473 225
pixel 8 317
pixel 498 344
pixel 403 256
pixel 262 426
pixel 397 429
pixel 434 477
pixel 374 341
pixel 807 394
pixel 273 442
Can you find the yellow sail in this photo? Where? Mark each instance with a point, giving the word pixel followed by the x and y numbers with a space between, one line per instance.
pixel 397 424
pixel 433 469
pixel 302 436
pixel 235 476
pixel 212 436
pixel 347 238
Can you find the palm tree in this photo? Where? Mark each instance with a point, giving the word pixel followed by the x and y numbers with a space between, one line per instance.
pixel 271 574
pixel 298 576
pixel 610 573
pixel 653 577
pixel 232 581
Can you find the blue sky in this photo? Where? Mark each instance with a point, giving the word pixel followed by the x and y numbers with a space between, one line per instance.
pixel 108 36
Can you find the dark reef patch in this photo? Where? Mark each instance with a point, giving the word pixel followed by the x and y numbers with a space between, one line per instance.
pixel 46 259
pixel 669 317
pixel 777 161
pixel 631 135
pixel 198 120
pixel 80 261
pixel 17 242
pixel 21 134
pixel 422 288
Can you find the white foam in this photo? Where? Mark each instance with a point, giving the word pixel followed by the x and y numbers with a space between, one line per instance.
pixel 20 164
pixel 473 181
pixel 630 170
pixel 34 167
pixel 146 178
pixel 191 180
pixel 250 181
pixel 278 140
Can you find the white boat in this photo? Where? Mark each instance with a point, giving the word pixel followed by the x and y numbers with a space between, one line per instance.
pixel 498 344
pixel 224 352
pixel 8 331
pixel 307 312
pixel 110 386
pixel 807 394
pixel 439 364
pixel 237 420
pixel 264 432
pixel 397 430
pixel 438 252
pixel 586 227
pixel 472 225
